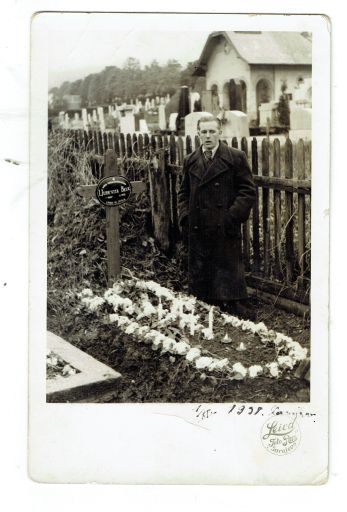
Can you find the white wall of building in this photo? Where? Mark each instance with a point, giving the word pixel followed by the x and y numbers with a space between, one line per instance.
pixel 222 67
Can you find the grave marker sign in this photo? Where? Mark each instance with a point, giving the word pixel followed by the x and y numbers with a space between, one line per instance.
pixel 111 191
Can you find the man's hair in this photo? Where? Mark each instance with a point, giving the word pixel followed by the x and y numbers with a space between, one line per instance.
pixel 205 119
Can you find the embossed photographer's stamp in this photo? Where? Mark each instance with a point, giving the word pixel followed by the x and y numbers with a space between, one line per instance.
pixel 281 435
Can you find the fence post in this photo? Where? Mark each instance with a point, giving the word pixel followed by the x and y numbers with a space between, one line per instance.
pixel 245 225
pixel 122 145
pixel 266 201
pixel 255 226
pixel 277 211
pixel 173 189
pixel 100 144
pixel 160 199
pixel 110 140
pixel 289 213
pixel 180 150
pixel 105 141
pixel 301 214
pixel 140 145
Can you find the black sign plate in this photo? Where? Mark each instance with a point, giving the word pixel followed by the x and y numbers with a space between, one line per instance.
pixel 113 190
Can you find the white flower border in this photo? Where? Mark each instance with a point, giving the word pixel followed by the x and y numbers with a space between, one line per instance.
pixel 180 309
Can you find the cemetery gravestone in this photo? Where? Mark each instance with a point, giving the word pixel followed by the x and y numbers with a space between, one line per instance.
pixel 235 124
pixel 143 127
pixel 162 118
pixel 127 123
pixel 101 119
pixel 84 118
pixel 300 123
pixel 172 121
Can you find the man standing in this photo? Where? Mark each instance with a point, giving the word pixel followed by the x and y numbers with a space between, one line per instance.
pixel 216 195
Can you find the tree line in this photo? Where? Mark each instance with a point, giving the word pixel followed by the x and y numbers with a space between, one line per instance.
pixel 115 84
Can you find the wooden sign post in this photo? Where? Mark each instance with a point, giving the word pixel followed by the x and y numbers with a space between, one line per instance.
pixel 111 191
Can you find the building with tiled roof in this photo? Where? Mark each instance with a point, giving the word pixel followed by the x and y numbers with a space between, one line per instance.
pixel 245 69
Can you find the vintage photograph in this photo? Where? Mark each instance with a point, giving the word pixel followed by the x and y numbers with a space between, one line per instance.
pixel 178 214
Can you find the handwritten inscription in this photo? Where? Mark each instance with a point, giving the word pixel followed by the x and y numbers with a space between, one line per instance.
pixel 245 409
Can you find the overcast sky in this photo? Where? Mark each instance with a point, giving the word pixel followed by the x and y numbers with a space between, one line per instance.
pixel 79 44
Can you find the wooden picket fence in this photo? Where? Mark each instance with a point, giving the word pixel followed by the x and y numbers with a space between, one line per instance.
pixel 276 238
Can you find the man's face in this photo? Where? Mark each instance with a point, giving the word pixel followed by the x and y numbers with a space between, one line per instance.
pixel 209 134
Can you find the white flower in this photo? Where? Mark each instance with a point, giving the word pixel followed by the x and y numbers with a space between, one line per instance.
pixel 147 310
pixel 259 328
pixel 168 344
pixel 255 370
pixel 208 333
pixel 189 303
pixel 157 341
pixel 93 303
pixel 296 351
pixel 273 369
pixel 241 347
pixel 203 362
pixel 86 292
pixel 130 310
pixel 151 335
pixel 181 348
pixel 131 328
pixel 120 320
pixel 143 330
pixel 240 371
pixel 285 362
pixel 193 354
pixel 226 339
pixel 219 364
pixel 233 320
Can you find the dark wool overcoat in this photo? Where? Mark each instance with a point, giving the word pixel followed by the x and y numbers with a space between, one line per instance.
pixel 214 199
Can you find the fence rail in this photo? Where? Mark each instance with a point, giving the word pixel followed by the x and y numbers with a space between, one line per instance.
pixel 276 238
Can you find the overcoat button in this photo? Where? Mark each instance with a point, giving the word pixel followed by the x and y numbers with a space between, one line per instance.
pixel 217 184
pixel 196 228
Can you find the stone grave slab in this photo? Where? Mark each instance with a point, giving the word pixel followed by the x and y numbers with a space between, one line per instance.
pixel 235 124
pixel 93 380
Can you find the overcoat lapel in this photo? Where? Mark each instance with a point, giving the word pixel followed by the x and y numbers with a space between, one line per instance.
pixel 197 164
pixel 222 162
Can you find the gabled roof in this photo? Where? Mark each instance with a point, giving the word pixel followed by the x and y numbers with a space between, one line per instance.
pixel 286 48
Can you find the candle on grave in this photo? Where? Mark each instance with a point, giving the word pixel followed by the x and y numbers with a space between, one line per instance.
pixel 192 324
pixel 160 310
pixel 210 319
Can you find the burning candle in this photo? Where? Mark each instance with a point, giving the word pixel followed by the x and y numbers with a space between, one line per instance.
pixel 192 324
pixel 160 310
pixel 210 319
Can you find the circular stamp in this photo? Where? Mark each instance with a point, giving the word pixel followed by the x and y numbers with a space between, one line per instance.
pixel 280 435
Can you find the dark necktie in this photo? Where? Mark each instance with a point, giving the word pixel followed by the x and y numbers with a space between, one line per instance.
pixel 208 155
